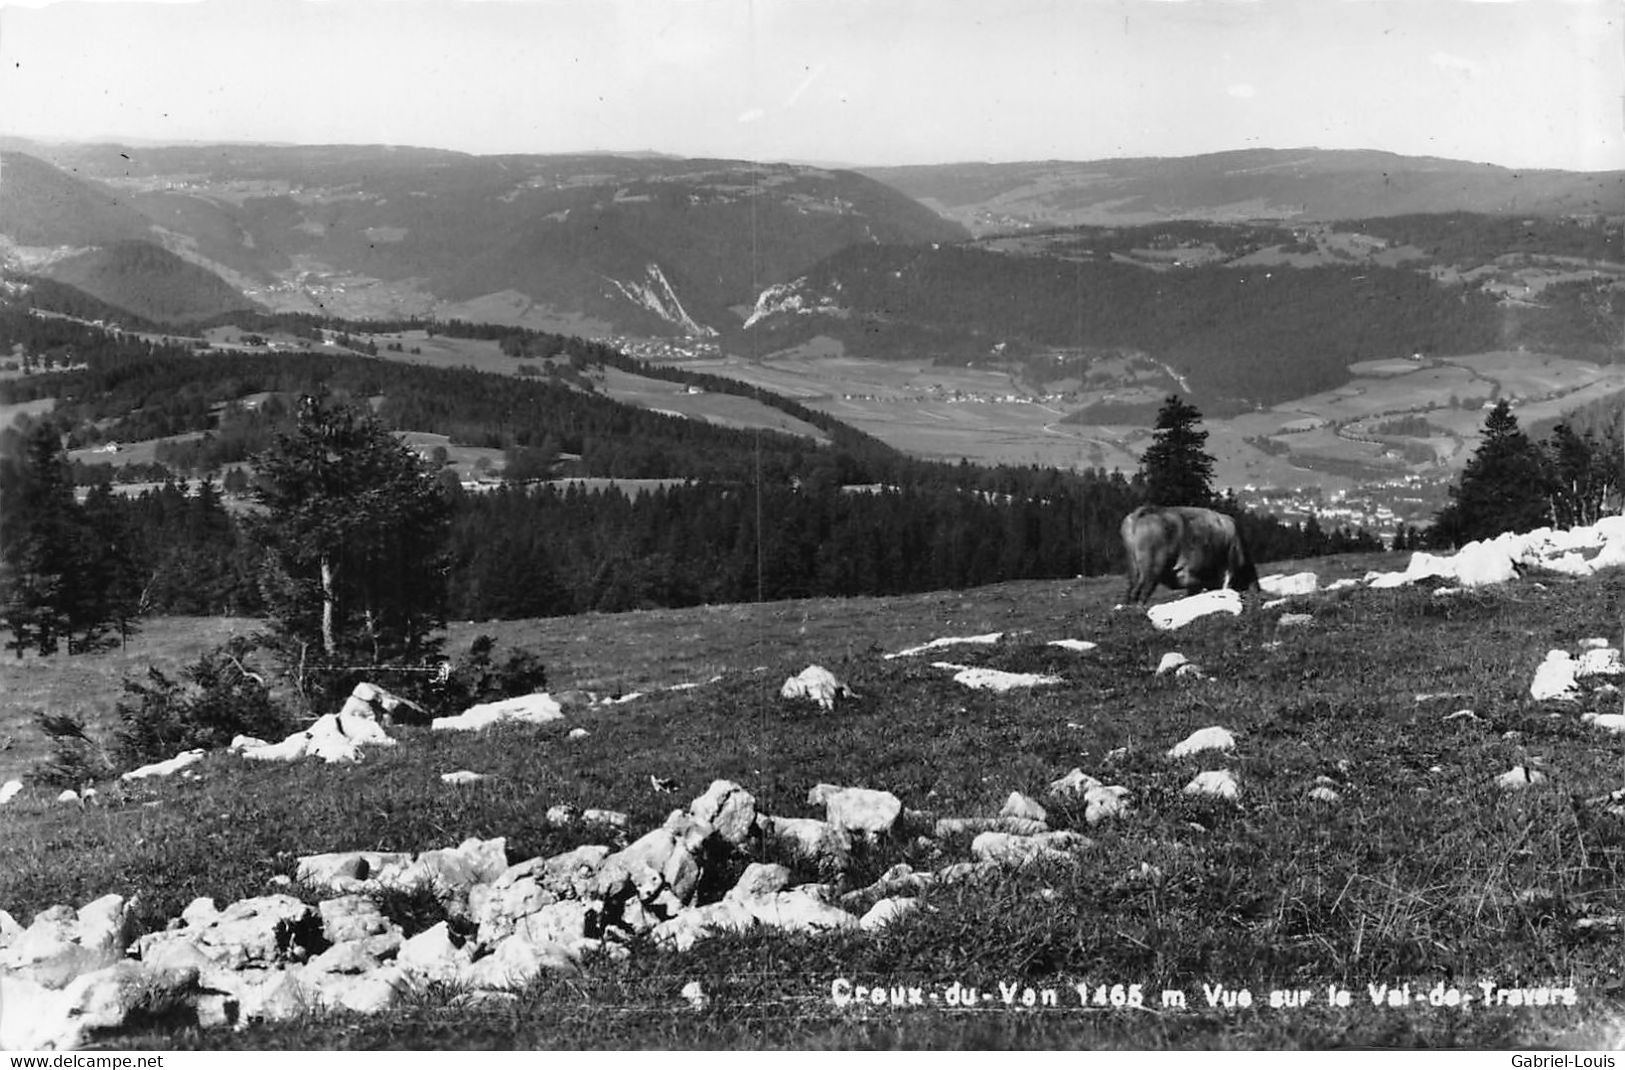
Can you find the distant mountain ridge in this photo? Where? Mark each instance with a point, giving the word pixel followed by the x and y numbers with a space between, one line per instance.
pixel 1249 184
pixel 635 244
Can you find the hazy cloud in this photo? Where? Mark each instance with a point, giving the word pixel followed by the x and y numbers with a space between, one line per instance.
pixel 1242 91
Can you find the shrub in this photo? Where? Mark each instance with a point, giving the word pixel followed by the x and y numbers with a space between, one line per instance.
pixel 477 677
pixel 216 699
pixel 76 759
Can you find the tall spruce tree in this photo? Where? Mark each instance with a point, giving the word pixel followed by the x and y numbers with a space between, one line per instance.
pixel 1176 468
pixel 1503 488
pixel 51 568
pixel 354 528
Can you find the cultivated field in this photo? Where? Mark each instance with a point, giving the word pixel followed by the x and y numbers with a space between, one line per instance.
pixel 1424 876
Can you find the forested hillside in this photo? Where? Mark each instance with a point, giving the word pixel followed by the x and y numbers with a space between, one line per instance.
pixel 757 513
pixel 1246 336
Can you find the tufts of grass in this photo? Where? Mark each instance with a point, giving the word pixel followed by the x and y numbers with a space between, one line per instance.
pixel 1425 871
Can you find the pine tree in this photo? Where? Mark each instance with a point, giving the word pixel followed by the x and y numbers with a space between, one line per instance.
pixel 354 529
pixel 51 568
pixel 1503 488
pixel 1176 468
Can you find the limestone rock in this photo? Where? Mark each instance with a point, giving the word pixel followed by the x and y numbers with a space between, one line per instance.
pixel 1519 777
pixel 951 640
pixel 61 943
pixel 432 955
pixel 984 679
pixel 811 838
pixel 727 808
pixel 1019 805
pixel 759 879
pixel 862 809
pixel 1220 783
pixel 1296 583
pixel 1599 661
pixel 1555 678
pixel 9 790
pixel 518 960
pixel 1074 783
pixel 1203 739
pixel 353 917
pixel 335 737
pixel 1005 849
pixel 1103 802
pixel 954 826
pixel 886 911
pixel 818 684
pixel 539 708
pixel 165 768
pixel 1173 615
pixel 331 870
pixel 264 931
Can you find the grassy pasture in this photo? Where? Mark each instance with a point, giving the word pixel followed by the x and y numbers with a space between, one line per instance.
pixel 1424 873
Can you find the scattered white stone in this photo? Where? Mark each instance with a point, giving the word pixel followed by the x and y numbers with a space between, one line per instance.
pixel 982 679
pixel 1462 715
pixel 1295 620
pixel 954 826
pixel 1519 777
pixel 952 640
pixel 1324 793
pixel 1171 662
pixel 1594 643
pixel 1220 783
pixel 1210 738
pixel 333 738
pixel 811 838
pixel 166 768
pixel 1004 848
pixel 1607 722
pixel 1554 679
pixel 68 796
pixel 9 790
pixel 370 700
pixel 1103 802
pixel 727 808
pixel 818 684
pixel 578 733
pixel 1599 661
pixel 862 809
pixel 1173 615
pixel 1296 583
pixel 539 708
pixel 1342 585
pixel 462 776
pixel 695 994
pixel 886 911
pixel 1019 805
pixel 1080 646
pixel 1076 782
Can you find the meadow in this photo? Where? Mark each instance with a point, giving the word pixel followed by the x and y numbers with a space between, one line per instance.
pixel 1424 876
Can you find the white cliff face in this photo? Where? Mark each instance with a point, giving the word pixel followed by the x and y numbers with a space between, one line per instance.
pixel 654 292
pixel 788 297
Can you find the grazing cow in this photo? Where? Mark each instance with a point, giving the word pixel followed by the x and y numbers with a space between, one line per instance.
pixel 1184 548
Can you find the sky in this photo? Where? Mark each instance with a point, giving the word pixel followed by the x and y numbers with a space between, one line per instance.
pixel 1521 83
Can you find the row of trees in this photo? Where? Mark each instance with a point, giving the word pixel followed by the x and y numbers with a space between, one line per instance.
pixel 1514 483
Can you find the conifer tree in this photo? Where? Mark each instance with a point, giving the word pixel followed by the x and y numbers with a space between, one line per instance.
pixel 1503 488
pixel 1176 468
pixel 354 529
pixel 51 590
